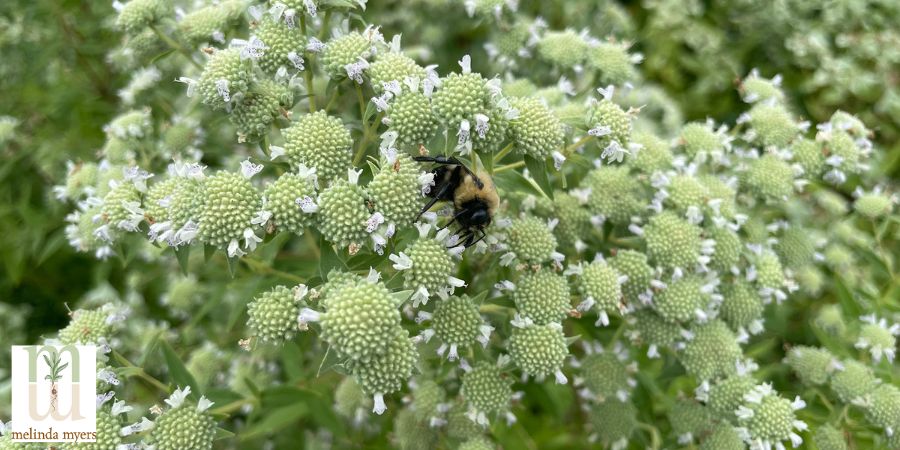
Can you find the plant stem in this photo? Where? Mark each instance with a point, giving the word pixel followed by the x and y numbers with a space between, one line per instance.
pixel 509 166
pixel 568 150
pixel 261 267
pixel 655 440
pixel 175 46
pixel 502 153
pixel 307 72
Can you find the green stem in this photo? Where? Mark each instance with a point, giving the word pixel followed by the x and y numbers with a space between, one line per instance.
pixel 264 145
pixel 140 373
pixel 502 153
pixel 261 267
pixel 655 439
pixel 334 96
pixel 568 150
pixel 307 73
pixel 368 134
pixel 362 102
pixel 324 28
pixel 175 46
pixel 509 166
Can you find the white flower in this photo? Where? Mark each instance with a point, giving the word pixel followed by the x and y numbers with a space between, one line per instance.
pixel 248 169
pixel 614 152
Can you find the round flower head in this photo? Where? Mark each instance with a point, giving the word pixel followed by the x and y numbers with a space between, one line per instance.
pixel 827 437
pixel 396 190
pixel 410 115
pixel 336 280
pixel 459 425
pixel 689 420
pixel 684 192
pixel 809 154
pixel 412 432
pixel 633 265
pixel 766 419
pixel 536 132
pixel 225 76
pixel 343 213
pixel 360 319
pixel 612 61
pixel 520 87
pixel 769 273
pixel 699 140
pixel 183 209
pixel 796 247
pixel 158 198
pixel 874 205
pixel 615 195
pixel 882 408
pixel 810 279
pixel 122 207
pixel 184 424
pixel 428 400
pixel 428 267
pixel 130 126
pixel 208 23
pixel 81 231
pixel 741 308
pixel 108 425
pixel 345 56
pixel 853 380
pixel 350 401
pixel 721 201
pixel 565 49
pixel 843 153
pixel 609 123
pixel 613 423
pixel 319 141
pixel 813 366
pixel 284 45
pixel 393 66
pixel 574 221
pixel 769 177
pixel 207 364
pixel 654 154
pixel 273 314
pixel 457 323
pixel 531 240
pixel 143 45
pixel 542 297
pixel 647 327
pixel 831 202
pixel 385 373
pixel 839 256
pixel 728 249
pixel 723 437
pixel 606 374
pixel 487 391
pixel 254 112
pixel 601 287
pixel 477 443
pixel 878 337
pixel 727 394
pixel 773 124
pixel 183 293
pixel 712 352
pixel 87 326
pixel 539 350
pixel 230 213
pixel 136 15
pixel 830 319
pixel 80 179
pixel 672 241
pixel 684 299
pixel 290 199
pixel 461 97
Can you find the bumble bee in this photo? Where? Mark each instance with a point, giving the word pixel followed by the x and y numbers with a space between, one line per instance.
pixel 473 195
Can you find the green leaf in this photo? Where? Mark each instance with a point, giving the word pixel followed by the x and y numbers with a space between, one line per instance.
pixel 370 111
pixel 232 265
pixel 487 160
pixel 208 252
pixel 275 420
pixel 62 367
pixel 400 297
pixel 328 259
pixel 177 371
pixel 222 433
pixel 538 170
pixel 183 254
pixel 512 181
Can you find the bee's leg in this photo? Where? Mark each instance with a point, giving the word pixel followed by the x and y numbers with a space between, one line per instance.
pixel 437 197
pixel 437 159
pixel 453 219
pixel 483 235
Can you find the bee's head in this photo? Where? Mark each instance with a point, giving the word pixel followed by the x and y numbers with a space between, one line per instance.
pixel 480 218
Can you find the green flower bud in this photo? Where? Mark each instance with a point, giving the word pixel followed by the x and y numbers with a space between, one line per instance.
pixel 840 143
pixel 536 132
pixel 180 136
pixel 412 117
pixel 647 327
pixel 225 76
pixel 830 319
pixel 273 315
pixel 613 422
pixel 831 202
pixel 283 199
pixel 486 389
pixel 713 352
pixel 184 426
pixel 839 256
pixel 349 399
pixel 699 139
pixel 757 89
pixel 874 205
pixel 393 66
pixel 565 49
pixel 80 230
pixel 539 350
pixel 430 266
pixel 207 363
pixel 854 381
pixel 728 249
pixel 612 61
pixel 808 154
pixel 607 114
pixel 770 177
pixel 187 202
pixel 773 124
pixel 600 285
pixel 767 417
pixel 531 240
pixel 122 207
pixel 686 191
pixel 477 443
pixel 182 294
pixel 672 241
pixel 810 279
pixel 769 273
pixel 614 194
pixel 360 322
pixel 87 326
pixel 118 151
pixel 457 323
pixel 828 437
pixel 413 433
pixel 321 141
pixel 160 194
pixel 343 51
pixel 386 372
pixel 129 126
pixel 460 426
pixel 461 97
pixel 137 15
pixel 543 297
pixel 285 45
pixel 254 113
pixel 878 336
pixel 108 436
pixel 203 24
pixel 689 420
pixel 633 264
pixel 343 214
pixel 520 87
pixel 813 366
pixel 741 307
pixel 396 191
pixel 883 407
pixel 795 247
pixel 142 46
pixel 228 214
pixel 607 376
pixel 80 178
pixel 574 220
pixel 654 154
pixel 727 394
pixel 723 437
pixel 683 299
pixel 427 399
